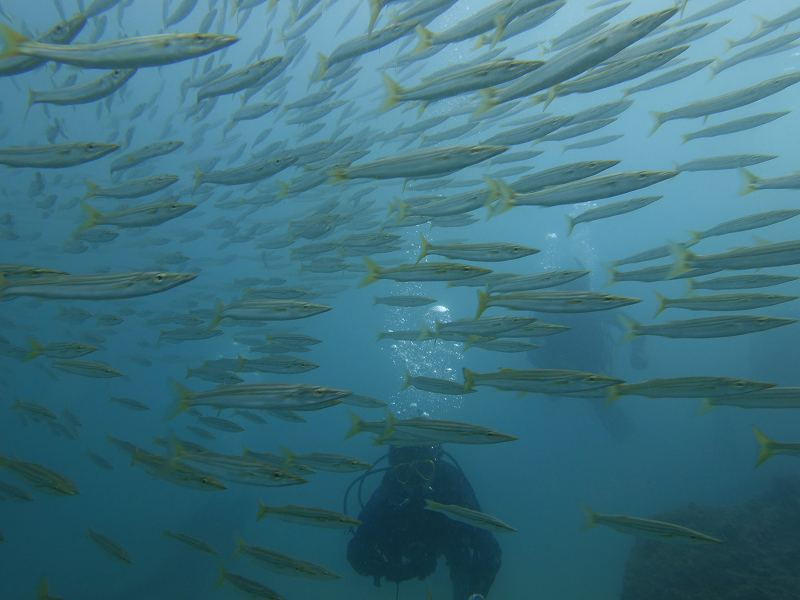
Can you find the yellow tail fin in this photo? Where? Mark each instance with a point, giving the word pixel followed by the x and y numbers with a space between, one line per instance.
pixel 220 307
pixel 184 395
pixel 659 121
pixel 93 217
pixel 750 182
pixel 91 189
pixel 355 426
pixel 630 326
pixel 425 39
pixel 393 93
pixel 469 380
pixel 425 248
pixel 766 450
pixel 682 256
pixel 483 303
pixel 373 272
pixel 406 380
pixel 36 349
pixel 11 41
pixel 662 303
pixel 591 518
pixel 198 178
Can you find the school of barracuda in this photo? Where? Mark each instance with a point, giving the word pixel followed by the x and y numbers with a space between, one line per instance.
pixel 362 195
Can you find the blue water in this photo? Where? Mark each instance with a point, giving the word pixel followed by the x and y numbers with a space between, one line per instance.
pixel 569 453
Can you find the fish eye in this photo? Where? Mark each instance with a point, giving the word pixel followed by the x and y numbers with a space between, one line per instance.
pixel 90 146
pixel 159 277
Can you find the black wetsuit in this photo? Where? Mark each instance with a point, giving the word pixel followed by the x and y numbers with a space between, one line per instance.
pixel 399 539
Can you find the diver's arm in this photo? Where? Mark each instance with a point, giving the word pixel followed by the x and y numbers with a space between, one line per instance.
pixel 473 555
pixel 365 551
pixel 377 548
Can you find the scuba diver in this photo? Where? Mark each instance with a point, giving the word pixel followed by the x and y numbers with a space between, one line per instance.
pixel 399 539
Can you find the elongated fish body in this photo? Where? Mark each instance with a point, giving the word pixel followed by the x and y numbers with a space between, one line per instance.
pixel 56 156
pixel 728 101
pixel 736 125
pixel 133 188
pixel 308 515
pixel 711 10
pixel 442 207
pixel 675 37
pixel 767 26
pixel 190 541
pixel 556 302
pixel 365 43
pixel 734 282
pixel 658 273
pixel 719 163
pixel 143 215
pixel 617 72
pixel 525 22
pixel 241 79
pixel 774 397
pixel 488 252
pixel 496 15
pixel 40 477
pixel 575 60
pixel 61 33
pixel 469 516
pixel 253 111
pixel 97 287
pixel 784 182
pixel 136 157
pixel 566 133
pixel 671 76
pixel 540 381
pixel 585 28
pixel 271 310
pixel 648 528
pixel 560 175
pixel 778 44
pixel 724 302
pixel 523 283
pixel 86 368
pixel 528 133
pixel 595 188
pixel 709 327
pixel 747 223
pixel 778 254
pixel 282 563
pixel 460 81
pixel 204 78
pixel 288 396
pixel 611 210
pixel 422 272
pixel 129 53
pixel 82 94
pixel 420 429
pixel 490 326
pixel 249 587
pixel 180 13
pixel 434 385
pixel 420 163
pixel 690 387
pixel 248 173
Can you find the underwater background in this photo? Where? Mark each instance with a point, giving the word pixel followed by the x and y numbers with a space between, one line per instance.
pixel 635 456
